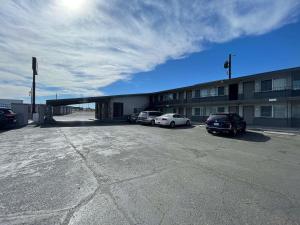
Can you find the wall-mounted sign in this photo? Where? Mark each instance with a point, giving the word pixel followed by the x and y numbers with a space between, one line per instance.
pixel 272 99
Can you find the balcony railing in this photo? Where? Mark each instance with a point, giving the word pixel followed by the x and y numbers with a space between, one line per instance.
pixel 191 100
pixel 279 92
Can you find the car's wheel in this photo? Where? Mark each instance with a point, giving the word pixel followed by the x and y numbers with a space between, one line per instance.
pixel 234 131
pixel 152 122
pixel 172 124
pixel 188 123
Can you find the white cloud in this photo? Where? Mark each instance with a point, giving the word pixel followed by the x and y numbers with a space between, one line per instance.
pixel 83 47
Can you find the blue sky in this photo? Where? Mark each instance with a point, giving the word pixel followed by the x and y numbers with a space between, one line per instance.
pixel 276 50
pixel 97 47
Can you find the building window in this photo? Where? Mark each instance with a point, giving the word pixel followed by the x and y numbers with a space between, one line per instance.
pixel 221 109
pixel 279 84
pixel 221 91
pixel 266 111
pixel 204 92
pixel 213 92
pixel 196 111
pixel 266 85
pixel 296 84
pixel 168 97
pixel 280 111
pixel 174 96
pixel 199 111
pixel 296 110
pixel 197 94
pixel 211 110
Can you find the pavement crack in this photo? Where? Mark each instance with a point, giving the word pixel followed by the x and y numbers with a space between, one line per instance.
pixel 87 199
pixel 107 191
pixel 139 177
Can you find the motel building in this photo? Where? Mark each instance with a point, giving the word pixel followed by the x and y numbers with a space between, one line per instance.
pixel 265 99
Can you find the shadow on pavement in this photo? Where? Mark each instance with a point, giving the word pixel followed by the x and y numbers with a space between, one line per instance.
pixel 88 123
pixel 248 136
pixel 178 127
pixel 10 128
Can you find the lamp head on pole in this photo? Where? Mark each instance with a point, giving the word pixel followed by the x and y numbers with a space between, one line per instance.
pixel 34 66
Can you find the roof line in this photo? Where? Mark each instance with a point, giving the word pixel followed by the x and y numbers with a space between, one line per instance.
pixel 179 88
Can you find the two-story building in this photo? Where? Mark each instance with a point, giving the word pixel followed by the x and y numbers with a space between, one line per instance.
pixel 271 98
pixel 268 99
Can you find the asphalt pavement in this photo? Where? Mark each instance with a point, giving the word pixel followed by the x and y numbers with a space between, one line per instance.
pixel 86 172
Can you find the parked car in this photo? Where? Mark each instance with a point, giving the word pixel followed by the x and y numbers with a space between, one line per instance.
pixel 148 117
pixel 7 117
pixel 172 120
pixel 132 118
pixel 230 123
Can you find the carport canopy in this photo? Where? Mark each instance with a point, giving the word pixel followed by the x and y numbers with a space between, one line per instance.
pixel 74 101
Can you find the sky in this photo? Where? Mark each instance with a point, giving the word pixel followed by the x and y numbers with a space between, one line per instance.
pixel 99 47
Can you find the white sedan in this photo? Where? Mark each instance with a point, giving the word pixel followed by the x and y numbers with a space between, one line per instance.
pixel 172 120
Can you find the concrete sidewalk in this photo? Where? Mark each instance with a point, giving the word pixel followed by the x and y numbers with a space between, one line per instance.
pixel 287 130
pixel 283 130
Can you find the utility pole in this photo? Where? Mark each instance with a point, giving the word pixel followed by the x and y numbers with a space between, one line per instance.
pixel 227 65
pixel 34 73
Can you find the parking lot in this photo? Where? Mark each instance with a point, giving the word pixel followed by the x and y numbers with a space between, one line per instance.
pixel 86 172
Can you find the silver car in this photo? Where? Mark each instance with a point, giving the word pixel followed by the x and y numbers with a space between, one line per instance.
pixel 148 117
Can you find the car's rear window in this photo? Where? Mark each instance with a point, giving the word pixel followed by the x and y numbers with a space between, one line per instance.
pixel 218 117
pixel 155 113
pixel 143 114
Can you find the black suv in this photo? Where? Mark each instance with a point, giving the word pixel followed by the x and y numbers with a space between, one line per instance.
pixel 230 123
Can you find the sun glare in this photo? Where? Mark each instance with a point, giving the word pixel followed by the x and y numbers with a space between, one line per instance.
pixel 73 5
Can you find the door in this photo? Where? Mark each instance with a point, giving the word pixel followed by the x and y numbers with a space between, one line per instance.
pixel 177 119
pixel 233 91
pixel 118 110
pixel 248 89
pixel 234 109
pixel 180 111
pixel 248 112
pixel 182 119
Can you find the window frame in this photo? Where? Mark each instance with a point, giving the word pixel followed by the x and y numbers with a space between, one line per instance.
pixel 275 107
pixel 197 95
pixel 294 86
pixel 266 116
pixel 261 82
pixel 221 87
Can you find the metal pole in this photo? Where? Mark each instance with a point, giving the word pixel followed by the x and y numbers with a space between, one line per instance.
pixel 34 73
pixel 33 93
pixel 229 66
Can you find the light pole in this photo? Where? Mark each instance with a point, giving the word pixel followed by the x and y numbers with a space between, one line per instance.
pixel 34 73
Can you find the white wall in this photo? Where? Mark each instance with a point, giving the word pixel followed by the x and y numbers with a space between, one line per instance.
pixel 6 103
pixel 130 102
